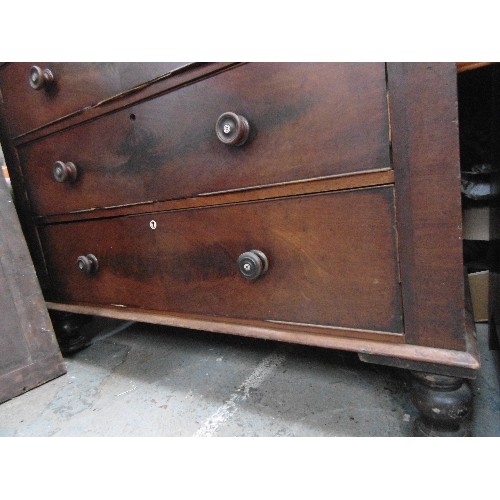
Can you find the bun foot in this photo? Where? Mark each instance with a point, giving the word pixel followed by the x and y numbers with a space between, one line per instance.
pixel 68 330
pixel 444 403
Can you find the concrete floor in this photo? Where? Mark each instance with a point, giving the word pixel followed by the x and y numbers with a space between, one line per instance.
pixel 145 380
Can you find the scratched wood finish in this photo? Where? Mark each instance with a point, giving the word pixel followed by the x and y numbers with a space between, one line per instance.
pixel 453 363
pixel 306 120
pixel 288 332
pixel 361 180
pixel 332 260
pixel 29 354
pixel 76 85
pixel 424 123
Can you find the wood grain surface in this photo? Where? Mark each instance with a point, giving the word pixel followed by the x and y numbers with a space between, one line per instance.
pixel 76 85
pixel 310 186
pixel 352 259
pixel 424 123
pixel 306 121
pixel 332 260
pixel 386 349
pixel 29 354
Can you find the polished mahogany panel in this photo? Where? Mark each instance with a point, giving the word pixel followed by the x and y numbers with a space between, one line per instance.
pixel 304 121
pixel 330 260
pixel 428 201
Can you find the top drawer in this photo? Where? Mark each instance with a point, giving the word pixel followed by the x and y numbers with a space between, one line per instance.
pixel 74 86
pixel 305 121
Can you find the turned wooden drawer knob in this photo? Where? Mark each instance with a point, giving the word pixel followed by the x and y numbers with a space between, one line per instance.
pixel 232 129
pixel 64 171
pixel 252 264
pixel 40 78
pixel 87 264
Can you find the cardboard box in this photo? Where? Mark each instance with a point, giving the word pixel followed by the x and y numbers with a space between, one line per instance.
pixel 478 283
pixel 476 223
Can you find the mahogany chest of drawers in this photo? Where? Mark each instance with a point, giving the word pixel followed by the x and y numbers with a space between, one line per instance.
pixel 308 203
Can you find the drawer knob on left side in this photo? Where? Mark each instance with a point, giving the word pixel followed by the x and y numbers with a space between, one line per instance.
pixel 252 264
pixel 87 264
pixel 40 78
pixel 64 171
pixel 232 129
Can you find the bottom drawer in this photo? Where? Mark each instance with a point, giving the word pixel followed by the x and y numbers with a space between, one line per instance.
pixel 331 261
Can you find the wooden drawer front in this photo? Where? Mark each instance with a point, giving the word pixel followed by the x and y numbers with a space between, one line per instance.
pixel 306 121
pixel 76 85
pixel 332 260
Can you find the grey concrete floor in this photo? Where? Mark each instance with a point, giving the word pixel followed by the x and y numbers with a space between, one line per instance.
pixel 147 380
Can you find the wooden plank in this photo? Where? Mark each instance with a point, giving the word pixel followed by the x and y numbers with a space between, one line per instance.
pixel 29 376
pixel 308 186
pixel 468 66
pixel 465 362
pixel 21 200
pixel 219 324
pixel 424 123
pixel 29 353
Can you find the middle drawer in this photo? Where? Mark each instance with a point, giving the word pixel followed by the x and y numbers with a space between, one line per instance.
pixel 305 121
pixel 331 259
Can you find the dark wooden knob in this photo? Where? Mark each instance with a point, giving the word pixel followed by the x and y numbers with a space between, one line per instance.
pixel 40 78
pixel 232 129
pixel 87 264
pixel 64 171
pixel 252 264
